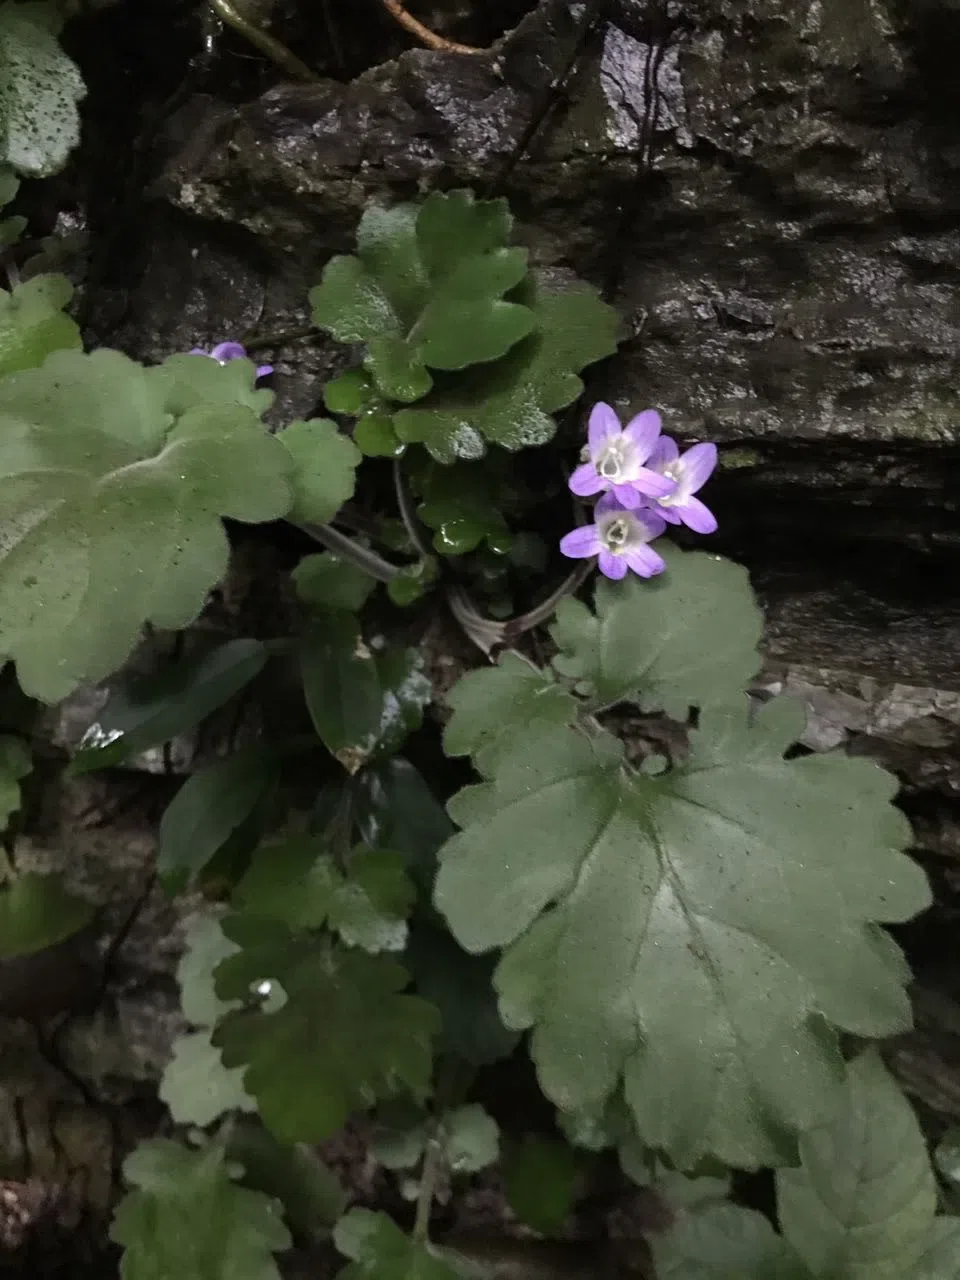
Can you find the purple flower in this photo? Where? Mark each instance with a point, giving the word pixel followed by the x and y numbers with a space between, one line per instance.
pixel 619 538
pixel 223 352
pixel 690 471
pixel 616 459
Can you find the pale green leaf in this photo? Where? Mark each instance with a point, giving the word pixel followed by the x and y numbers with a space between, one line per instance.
pixel 540 1179
pixel 725 1242
pixel 692 934
pixel 510 403
pixel 39 91
pixel 187 1219
pixel 940 1258
pixel 326 582
pixel 33 323
pixel 15 763
pixel 470 1138
pixel 185 381
pixel 196 1087
pixel 346 1036
pixel 380 1251
pixel 862 1203
pixel 205 946
pixel 325 464
pixel 37 911
pixel 686 638
pixel 112 511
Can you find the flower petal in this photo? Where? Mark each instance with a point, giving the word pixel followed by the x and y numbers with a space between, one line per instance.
pixel 612 566
pixel 652 521
pixel 228 351
pixel 696 516
pixel 586 480
pixel 197 351
pixel 627 496
pixel 698 463
pixel 581 543
pixel 652 484
pixel 264 370
pixel 669 514
pixel 603 426
pixel 642 432
pixel 608 505
pixel 664 452
pixel 644 561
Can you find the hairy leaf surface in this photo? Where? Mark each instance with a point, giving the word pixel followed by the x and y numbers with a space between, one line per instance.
pixel 33 323
pixel 725 1242
pixel 39 91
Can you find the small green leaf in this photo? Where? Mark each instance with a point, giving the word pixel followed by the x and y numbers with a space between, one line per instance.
pixel 470 1139
pixel 540 1179
pixel 187 1218
pixel 401 1135
pixel 370 908
pixel 947 1155
pixel 39 91
pixel 463 502
pixel 112 510
pixel 209 807
pixel 375 437
pixel 862 1203
pixel 33 323
pixel 725 1242
pixel 645 921
pixel 426 289
pixel 646 640
pixel 196 1087
pixel 148 710
pixel 350 392
pixel 295 1175
pixel 15 763
pixel 380 1251
pixel 325 581
pixel 345 1036
pixel 206 945
pixel 36 912
pixel 325 462
pixel 940 1259
pixel 510 403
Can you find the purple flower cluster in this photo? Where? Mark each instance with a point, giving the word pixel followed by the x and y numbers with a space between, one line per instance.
pixel 224 352
pixel 645 483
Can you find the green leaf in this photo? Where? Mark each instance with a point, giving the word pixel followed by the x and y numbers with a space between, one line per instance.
pixel 210 806
pixel 325 462
pixel 463 502
pixel 33 323
pixel 206 945
pixel 196 1087
pixel 940 1259
pixel 691 933
pixel 351 392
pixel 188 1219
pixel 375 437
pixel 187 381
pixel 401 1135
pixel 725 1242
pixel 112 511
pixel 646 640
pixel 325 581
pixel 511 402
pixel 39 91
pixel 15 763
pixel 346 1035
pixel 426 289
pixel 296 882
pixel 145 711
pixel 397 810
pixel 36 912
pixel 361 702
pixel 470 1139
pixel 488 704
pixel 540 1180
pixel 9 185
pixel 863 1201
pixel 380 1251
pixel 947 1155
pixel 311 1195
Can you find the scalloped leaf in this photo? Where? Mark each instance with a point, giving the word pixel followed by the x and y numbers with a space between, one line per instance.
pixel 325 464
pixel 186 1217
pixel 345 1036
pixel 426 290
pixel 39 91
pixel 112 512
pixel 510 403
pixel 196 1087
pixel 689 637
pixel 33 323
pixel 725 1242
pixel 693 934
pixel 380 1251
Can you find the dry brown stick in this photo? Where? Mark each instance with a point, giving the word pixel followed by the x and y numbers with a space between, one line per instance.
pixel 424 34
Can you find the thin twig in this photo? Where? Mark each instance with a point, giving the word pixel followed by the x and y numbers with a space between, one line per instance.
pixel 280 337
pixel 424 34
pixel 268 45
pixel 411 523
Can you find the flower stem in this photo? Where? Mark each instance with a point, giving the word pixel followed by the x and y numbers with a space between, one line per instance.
pixel 432 1165
pixel 361 556
pixel 262 40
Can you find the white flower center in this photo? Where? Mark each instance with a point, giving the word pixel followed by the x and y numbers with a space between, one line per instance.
pixel 613 462
pixel 618 532
pixel 674 471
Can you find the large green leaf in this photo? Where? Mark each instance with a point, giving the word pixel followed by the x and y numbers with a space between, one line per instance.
pixel 37 911
pixel 381 1251
pixel 687 638
pixel 940 1258
pixel 33 323
pixel 112 511
pixel 39 91
pixel 426 289
pixel 725 1242
pixel 510 403
pixel 694 933
pixel 863 1201
pixel 145 711
pixel 397 810
pixel 294 1174
pixel 345 1035
pixel 188 1219
pixel 325 463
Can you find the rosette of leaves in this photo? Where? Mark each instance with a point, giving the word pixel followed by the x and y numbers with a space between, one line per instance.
pixel 463 345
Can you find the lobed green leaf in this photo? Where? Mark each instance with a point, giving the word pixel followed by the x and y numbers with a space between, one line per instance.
pixel 380 1251
pixel 33 323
